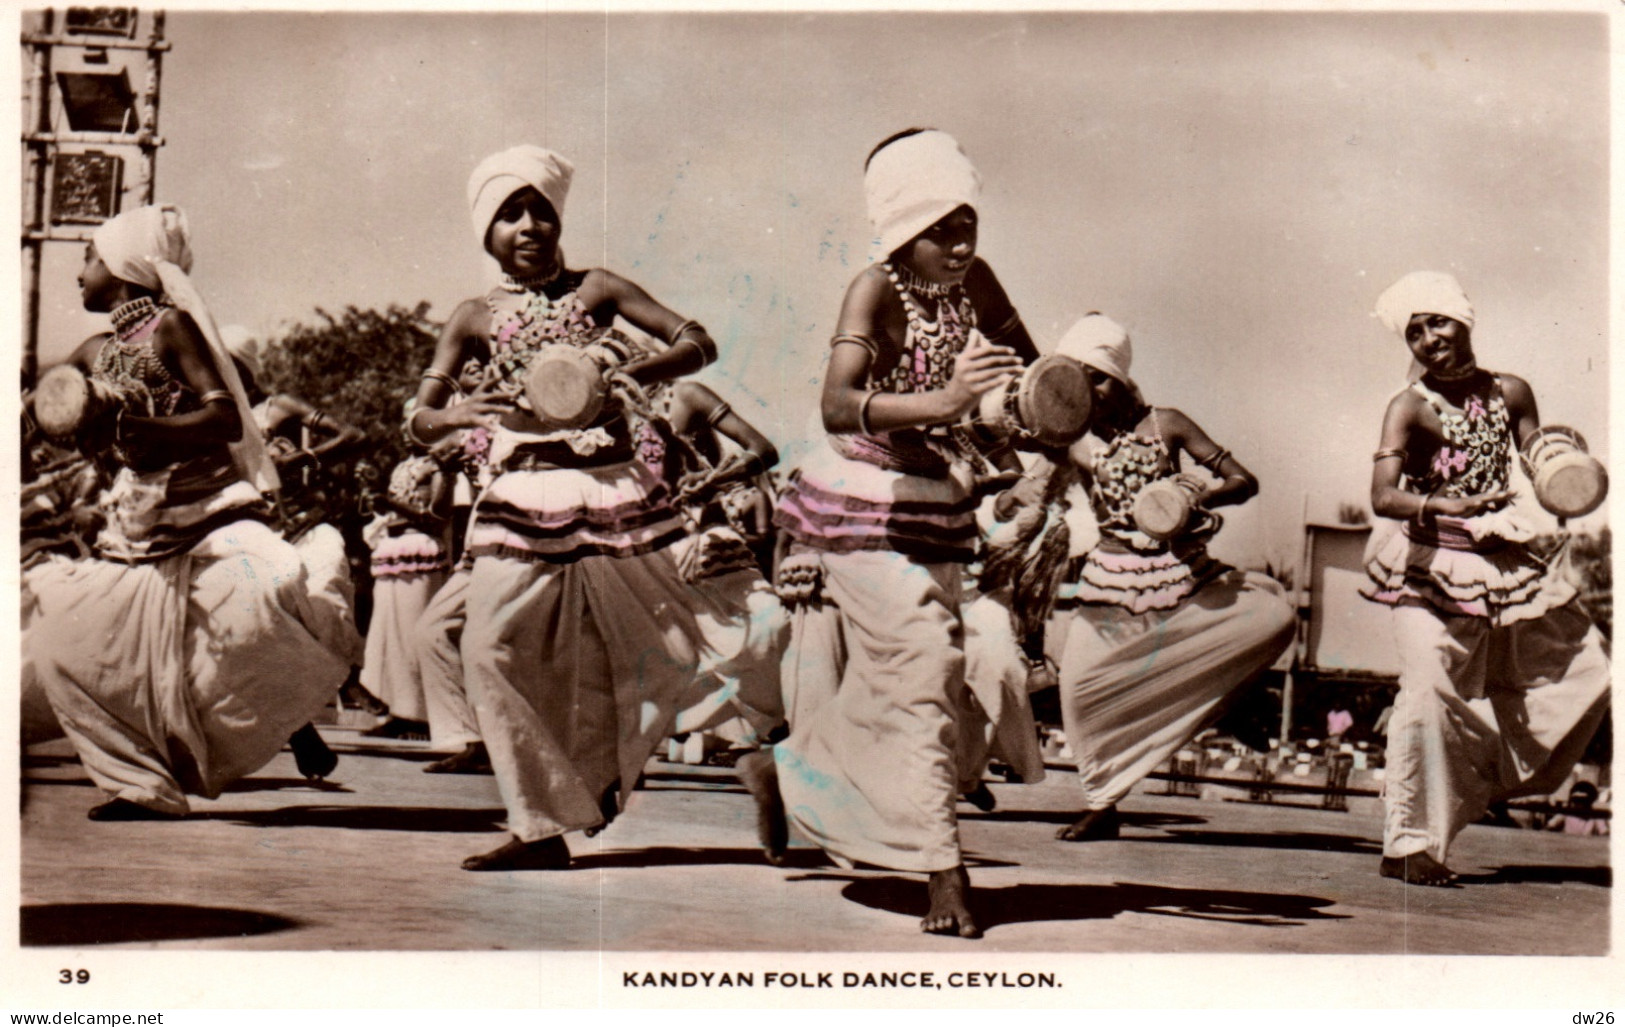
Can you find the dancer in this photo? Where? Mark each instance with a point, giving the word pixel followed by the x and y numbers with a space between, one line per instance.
pixel 881 522
pixel 579 639
pixel 411 561
pixel 1155 633
pixel 737 697
pixel 184 656
pixel 305 443
pixel 1503 678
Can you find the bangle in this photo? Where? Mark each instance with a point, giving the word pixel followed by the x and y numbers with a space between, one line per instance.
pixel 1422 511
pixel 1383 454
pixel 708 353
pixel 316 417
pixel 215 396
pixel 863 412
pixel 118 427
pixel 722 410
pixel 1213 462
pixel 412 428
pixel 436 375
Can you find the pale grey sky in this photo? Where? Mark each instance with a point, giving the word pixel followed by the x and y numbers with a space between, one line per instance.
pixel 1237 188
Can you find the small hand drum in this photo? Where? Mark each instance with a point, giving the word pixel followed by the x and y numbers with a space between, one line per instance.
pixel 1163 508
pixel 1568 480
pixel 565 386
pixel 1048 405
pixel 67 403
pixel 419 487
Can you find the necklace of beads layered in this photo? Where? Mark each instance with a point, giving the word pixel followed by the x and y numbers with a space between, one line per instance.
pixel 935 341
pixel 127 361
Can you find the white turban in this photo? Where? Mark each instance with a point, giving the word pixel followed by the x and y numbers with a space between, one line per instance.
pixel 1097 341
pixel 914 182
pixel 133 244
pixel 501 175
pixel 1422 292
pixel 152 247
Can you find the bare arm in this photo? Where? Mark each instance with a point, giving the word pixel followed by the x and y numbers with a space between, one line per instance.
pixel 690 346
pixel 848 404
pixel 437 415
pixel 1520 400
pixel 181 347
pixel 1236 483
pixel 1388 499
pixel 333 434
pixel 996 315
pixel 695 402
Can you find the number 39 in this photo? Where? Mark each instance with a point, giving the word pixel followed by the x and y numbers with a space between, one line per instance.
pixel 73 977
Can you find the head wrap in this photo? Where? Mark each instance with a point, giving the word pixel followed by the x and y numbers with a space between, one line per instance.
pixel 914 182
pixel 134 243
pixel 244 348
pixel 1097 341
pixel 501 175
pixel 1422 292
pixel 152 247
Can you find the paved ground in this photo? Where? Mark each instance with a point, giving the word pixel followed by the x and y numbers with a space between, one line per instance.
pixel 370 862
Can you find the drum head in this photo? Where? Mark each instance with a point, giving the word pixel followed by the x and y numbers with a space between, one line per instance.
pixel 1571 485
pixel 61 400
pixel 1054 400
pixel 1161 509
pixel 565 387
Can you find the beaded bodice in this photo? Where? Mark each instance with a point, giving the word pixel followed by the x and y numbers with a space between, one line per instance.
pixel 1475 455
pixel 129 364
pixel 927 362
pixel 1119 469
pixel 524 322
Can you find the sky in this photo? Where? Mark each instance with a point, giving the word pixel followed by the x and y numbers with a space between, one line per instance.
pixel 1235 187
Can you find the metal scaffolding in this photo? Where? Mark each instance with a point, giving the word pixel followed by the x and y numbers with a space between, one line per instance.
pixel 83 124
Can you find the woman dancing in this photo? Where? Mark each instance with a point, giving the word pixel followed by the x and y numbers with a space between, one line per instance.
pixel 1156 633
pixel 1503 679
pixel 578 638
pixel 881 523
pixel 187 653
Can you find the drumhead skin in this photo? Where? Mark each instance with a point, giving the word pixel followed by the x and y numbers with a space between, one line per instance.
pixel 1568 480
pixel 1571 485
pixel 61 400
pixel 1054 400
pixel 1162 509
pixel 565 387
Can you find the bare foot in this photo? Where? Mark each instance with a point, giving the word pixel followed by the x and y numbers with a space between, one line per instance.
pixel 1095 825
pixel 124 809
pixel 950 913
pixel 311 754
pixel 981 797
pixel 473 759
pixel 547 854
pixel 1418 868
pixel 760 776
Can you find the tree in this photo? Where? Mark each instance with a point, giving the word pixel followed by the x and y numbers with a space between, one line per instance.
pixel 360 366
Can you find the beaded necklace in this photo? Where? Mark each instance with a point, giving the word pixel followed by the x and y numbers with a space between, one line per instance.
pixel 934 342
pixel 127 361
pixel 129 318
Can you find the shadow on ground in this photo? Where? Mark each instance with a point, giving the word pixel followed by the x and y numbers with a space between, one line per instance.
pixel 1278 840
pixel 1046 816
pixel 109 923
pixel 1038 903
pixel 369 818
pixel 1601 877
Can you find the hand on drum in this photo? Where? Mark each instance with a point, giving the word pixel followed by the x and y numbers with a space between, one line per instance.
pixel 1469 506
pixel 979 368
pixel 482 408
